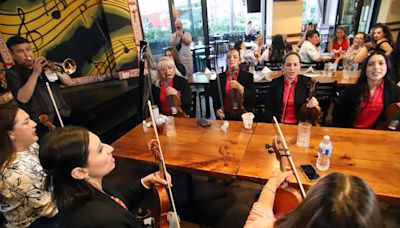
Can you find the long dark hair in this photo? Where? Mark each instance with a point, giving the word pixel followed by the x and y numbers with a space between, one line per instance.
pixel 340 28
pixel 7 121
pixel 362 83
pixel 174 54
pixel 61 151
pixel 278 49
pixel 386 32
pixel 337 200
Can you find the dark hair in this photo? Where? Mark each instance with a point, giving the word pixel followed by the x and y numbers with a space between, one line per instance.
pixel 362 33
pixel 311 33
pixel 337 200
pixel 289 54
pixel 175 54
pixel 386 32
pixel 61 151
pixel 7 121
pixel 362 83
pixel 15 40
pixel 237 45
pixel 278 49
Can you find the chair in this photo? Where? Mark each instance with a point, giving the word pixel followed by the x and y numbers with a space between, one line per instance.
pixel 261 99
pixel 326 94
pixel 273 65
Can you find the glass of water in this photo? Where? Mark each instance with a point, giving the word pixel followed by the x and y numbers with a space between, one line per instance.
pixel 303 134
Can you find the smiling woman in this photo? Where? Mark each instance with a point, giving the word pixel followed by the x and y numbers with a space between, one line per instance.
pixel 363 105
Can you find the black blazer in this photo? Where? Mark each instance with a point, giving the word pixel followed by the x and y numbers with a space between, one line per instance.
pixel 182 85
pixel 275 96
pixel 100 211
pixel 245 79
pixel 347 109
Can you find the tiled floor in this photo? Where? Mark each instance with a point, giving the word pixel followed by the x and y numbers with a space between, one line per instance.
pixel 215 202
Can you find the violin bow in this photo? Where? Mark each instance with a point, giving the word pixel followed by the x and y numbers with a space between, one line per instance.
pixel 153 121
pixel 220 93
pixel 287 153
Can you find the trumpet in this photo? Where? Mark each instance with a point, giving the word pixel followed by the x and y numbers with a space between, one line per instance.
pixel 68 66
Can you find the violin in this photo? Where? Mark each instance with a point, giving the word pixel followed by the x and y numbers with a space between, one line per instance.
pixel 159 191
pixel 233 101
pixel 307 114
pixel 392 115
pixel 44 119
pixel 174 103
pixel 286 198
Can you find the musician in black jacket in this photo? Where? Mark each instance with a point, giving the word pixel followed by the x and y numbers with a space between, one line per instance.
pixel 75 161
pixel 289 92
pixel 233 78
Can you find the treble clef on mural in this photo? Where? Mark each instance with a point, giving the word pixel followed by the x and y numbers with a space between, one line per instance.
pixel 32 36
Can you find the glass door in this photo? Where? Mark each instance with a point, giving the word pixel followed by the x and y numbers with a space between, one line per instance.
pixel 156 24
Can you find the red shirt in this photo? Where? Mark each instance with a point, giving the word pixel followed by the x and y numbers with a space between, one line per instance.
pixel 371 109
pixel 165 109
pixel 288 107
pixel 344 45
pixel 228 87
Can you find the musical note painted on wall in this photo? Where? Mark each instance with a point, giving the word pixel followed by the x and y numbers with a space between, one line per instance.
pixel 126 49
pixel 32 36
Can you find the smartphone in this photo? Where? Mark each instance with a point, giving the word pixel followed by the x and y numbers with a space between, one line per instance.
pixel 310 172
pixel 203 123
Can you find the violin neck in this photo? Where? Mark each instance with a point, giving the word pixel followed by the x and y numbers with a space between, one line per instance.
pixel 161 168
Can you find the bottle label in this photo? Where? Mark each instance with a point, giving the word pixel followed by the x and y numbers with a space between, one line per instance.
pixel 324 151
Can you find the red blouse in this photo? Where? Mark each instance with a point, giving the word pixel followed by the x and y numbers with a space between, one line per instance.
pixel 371 109
pixel 165 109
pixel 288 104
pixel 344 45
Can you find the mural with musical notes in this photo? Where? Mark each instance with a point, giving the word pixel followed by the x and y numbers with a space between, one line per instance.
pixel 97 34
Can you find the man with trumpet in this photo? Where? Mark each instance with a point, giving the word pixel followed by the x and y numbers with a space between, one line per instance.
pixel 27 82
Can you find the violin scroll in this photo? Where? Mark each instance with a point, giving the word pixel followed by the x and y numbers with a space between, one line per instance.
pixel 159 191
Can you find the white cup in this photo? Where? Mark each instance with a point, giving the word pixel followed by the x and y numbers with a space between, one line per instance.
pixel 247 120
pixel 303 134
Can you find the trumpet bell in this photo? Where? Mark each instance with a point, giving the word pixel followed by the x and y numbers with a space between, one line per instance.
pixel 69 66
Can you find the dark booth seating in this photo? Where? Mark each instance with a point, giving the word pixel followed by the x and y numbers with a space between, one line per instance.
pixel 114 105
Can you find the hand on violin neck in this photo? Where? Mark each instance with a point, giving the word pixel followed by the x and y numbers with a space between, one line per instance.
pixel 278 177
pixel 312 102
pixel 172 91
pixel 155 178
pixel 220 113
pixel 236 85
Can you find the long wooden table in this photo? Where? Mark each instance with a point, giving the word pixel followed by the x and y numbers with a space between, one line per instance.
pixel 260 77
pixel 369 154
pixel 372 155
pixel 193 148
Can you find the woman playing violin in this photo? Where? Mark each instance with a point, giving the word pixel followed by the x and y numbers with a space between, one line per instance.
pixel 233 79
pixel 363 104
pixel 169 87
pixel 287 94
pixel 336 200
pixel 76 161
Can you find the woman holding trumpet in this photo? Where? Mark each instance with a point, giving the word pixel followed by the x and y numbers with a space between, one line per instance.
pixel 27 82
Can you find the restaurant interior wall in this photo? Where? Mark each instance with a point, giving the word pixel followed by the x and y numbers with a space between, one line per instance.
pixel 389 12
pixel 287 19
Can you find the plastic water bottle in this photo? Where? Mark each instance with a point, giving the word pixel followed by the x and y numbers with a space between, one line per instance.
pixel 324 152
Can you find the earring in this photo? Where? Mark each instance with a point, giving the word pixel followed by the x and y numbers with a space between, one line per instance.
pixel 12 138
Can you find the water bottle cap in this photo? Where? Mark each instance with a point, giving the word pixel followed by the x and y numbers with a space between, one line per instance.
pixel 327 137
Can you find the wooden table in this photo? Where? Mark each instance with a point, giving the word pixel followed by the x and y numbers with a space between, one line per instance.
pixel 369 154
pixel 260 77
pixel 193 148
